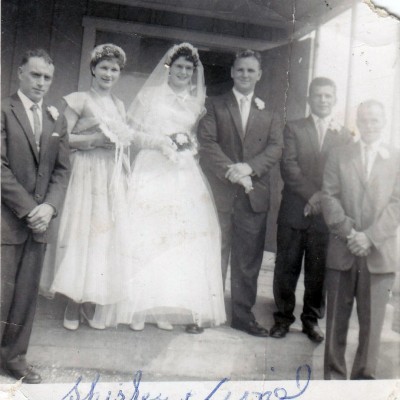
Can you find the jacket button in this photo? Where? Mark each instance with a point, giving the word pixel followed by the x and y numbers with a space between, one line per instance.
pixel 41 174
pixel 37 196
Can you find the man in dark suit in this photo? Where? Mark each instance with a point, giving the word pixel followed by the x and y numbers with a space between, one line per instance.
pixel 301 228
pixel 34 177
pixel 361 205
pixel 240 141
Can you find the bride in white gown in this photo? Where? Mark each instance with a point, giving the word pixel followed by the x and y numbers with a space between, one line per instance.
pixel 175 233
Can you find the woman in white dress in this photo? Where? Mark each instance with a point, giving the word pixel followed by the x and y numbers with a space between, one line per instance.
pixel 92 251
pixel 175 240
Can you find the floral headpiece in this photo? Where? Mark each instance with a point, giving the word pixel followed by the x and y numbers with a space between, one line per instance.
pixel 182 49
pixel 108 50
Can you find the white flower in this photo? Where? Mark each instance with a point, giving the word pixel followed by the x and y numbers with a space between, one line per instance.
pixel 53 112
pixel 259 103
pixel 334 126
pixel 181 138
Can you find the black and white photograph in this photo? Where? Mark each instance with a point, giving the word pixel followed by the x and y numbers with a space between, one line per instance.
pixel 200 199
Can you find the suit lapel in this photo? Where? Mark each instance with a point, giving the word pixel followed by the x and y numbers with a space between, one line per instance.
pixel 252 115
pixel 46 131
pixel 329 139
pixel 377 167
pixel 20 113
pixel 312 134
pixel 357 164
pixel 233 108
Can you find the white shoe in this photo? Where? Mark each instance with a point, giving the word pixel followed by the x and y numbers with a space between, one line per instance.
pixel 165 325
pixel 70 324
pixel 137 326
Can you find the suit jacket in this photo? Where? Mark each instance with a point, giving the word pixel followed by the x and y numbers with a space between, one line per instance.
pixel 223 142
pixel 373 207
pixel 302 167
pixel 27 177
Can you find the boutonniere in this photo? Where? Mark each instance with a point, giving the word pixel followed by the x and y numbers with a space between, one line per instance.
pixel 259 103
pixel 383 152
pixel 53 112
pixel 334 126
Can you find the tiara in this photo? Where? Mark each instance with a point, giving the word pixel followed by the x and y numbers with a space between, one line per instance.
pixel 108 51
pixel 173 50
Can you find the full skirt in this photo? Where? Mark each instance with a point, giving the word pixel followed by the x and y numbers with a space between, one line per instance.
pixel 175 245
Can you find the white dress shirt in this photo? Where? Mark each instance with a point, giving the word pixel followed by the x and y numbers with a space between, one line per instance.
pixel 245 110
pixel 373 151
pixel 321 125
pixel 28 103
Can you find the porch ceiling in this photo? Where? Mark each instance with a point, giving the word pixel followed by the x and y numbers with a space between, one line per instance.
pixel 278 13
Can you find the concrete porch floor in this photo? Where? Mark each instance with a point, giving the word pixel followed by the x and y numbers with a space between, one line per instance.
pixel 62 356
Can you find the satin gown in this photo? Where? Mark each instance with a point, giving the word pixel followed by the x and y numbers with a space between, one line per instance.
pixel 175 238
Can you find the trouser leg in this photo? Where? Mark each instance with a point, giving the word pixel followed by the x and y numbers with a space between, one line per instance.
pixel 372 294
pixel 23 305
pixel 290 249
pixel 340 298
pixel 10 260
pixel 314 277
pixel 246 257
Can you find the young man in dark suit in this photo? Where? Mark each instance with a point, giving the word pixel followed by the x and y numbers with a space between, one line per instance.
pixel 301 229
pixel 34 177
pixel 240 142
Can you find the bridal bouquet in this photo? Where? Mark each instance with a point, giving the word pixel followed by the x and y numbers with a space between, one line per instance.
pixel 184 141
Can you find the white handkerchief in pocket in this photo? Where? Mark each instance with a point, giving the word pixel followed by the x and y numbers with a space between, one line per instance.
pixel 55 134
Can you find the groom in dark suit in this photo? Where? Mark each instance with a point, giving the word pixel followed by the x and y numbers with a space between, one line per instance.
pixel 34 177
pixel 240 141
pixel 301 228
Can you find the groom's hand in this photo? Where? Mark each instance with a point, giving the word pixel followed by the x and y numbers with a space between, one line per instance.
pixel 237 171
pixel 39 218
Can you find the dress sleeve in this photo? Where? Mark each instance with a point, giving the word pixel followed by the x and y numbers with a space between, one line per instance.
pixel 76 101
pixel 80 118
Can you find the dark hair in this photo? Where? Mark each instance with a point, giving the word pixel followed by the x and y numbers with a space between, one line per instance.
pixel 321 81
pixel 183 51
pixel 248 53
pixel 107 51
pixel 40 53
pixel 371 103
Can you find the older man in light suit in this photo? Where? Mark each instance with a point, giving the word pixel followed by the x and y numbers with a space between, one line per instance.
pixel 361 206
pixel 34 177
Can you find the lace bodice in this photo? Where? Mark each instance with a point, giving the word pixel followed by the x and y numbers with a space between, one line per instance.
pixel 168 113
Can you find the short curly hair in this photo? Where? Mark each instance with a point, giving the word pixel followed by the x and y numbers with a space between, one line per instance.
pixel 107 51
pixel 185 50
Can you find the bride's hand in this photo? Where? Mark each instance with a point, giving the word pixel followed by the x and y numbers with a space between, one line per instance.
pixel 101 140
pixel 168 148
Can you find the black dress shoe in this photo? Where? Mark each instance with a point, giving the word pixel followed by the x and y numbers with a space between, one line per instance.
pixel 28 374
pixel 194 329
pixel 314 333
pixel 252 328
pixel 278 331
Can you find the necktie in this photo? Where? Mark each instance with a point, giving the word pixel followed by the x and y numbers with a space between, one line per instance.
pixel 244 111
pixel 321 131
pixel 367 161
pixel 36 125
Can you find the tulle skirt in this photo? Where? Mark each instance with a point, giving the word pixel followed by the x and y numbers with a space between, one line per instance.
pixel 92 254
pixel 175 245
